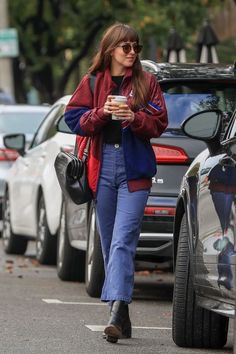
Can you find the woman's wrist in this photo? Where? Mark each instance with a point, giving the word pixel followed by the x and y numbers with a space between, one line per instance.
pixel 132 117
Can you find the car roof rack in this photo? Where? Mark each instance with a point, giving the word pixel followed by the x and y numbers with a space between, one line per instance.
pixel 151 65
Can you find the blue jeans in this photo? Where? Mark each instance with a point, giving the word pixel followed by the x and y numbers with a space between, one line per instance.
pixel 223 205
pixel 119 215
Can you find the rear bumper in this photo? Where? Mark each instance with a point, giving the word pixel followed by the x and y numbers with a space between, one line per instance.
pixel 155 241
pixel 155 244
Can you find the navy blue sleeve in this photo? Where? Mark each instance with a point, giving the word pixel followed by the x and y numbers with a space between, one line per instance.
pixel 72 119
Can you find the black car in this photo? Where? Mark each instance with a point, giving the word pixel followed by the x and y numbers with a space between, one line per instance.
pixel 204 236
pixel 187 88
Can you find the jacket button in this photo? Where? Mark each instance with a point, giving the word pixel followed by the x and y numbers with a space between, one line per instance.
pixel 117 146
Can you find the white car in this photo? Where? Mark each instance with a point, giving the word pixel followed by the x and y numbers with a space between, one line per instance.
pixel 16 118
pixel 33 198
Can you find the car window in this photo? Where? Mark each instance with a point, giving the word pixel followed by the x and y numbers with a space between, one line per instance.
pixel 48 127
pixel 186 98
pixel 62 126
pixel 20 122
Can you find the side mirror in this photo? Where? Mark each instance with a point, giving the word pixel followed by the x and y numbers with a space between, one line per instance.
pixel 206 126
pixel 62 127
pixel 15 142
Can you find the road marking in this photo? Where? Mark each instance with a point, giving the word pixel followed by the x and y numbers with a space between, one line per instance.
pixel 95 328
pixel 59 302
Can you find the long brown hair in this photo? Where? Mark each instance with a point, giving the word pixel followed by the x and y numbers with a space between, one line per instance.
pixel 114 35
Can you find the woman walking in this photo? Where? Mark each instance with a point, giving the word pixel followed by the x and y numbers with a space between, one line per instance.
pixel 121 161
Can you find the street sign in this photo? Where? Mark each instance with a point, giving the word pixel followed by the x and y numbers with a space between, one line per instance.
pixel 9 46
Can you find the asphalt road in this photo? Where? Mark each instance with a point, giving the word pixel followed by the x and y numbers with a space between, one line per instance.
pixel 41 314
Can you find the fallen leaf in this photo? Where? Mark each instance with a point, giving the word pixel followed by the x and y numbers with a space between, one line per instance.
pixel 35 262
pixel 8 267
pixel 23 266
pixel 143 272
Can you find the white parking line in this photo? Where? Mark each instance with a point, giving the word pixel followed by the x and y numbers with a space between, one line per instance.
pixel 59 302
pixel 95 328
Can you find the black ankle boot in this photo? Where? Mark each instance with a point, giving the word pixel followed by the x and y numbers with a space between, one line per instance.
pixel 119 325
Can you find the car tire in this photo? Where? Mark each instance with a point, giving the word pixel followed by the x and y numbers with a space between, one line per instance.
pixel 70 261
pixel 94 271
pixel 193 326
pixel 46 244
pixel 12 243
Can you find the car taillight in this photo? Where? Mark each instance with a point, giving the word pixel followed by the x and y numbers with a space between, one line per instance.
pixel 159 211
pixel 166 154
pixel 8 155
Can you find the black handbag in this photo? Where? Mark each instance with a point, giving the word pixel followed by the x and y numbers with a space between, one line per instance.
pixel 72 175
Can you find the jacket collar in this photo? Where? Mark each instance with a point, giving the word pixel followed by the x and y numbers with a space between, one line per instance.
pixel 128 73
pixel 108 84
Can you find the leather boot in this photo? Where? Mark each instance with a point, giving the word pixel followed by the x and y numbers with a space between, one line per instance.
pixel 119 325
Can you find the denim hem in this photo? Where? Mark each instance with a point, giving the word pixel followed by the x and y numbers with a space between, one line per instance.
pixel 116 297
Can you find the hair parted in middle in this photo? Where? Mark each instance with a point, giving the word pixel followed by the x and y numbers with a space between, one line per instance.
pixel 111 38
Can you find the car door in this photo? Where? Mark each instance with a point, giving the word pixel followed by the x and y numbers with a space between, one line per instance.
pixel 216 217
pixel 26 179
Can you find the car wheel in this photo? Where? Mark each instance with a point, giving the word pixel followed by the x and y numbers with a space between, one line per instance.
pixel 94 275
pixel 46 244
pixel 193 326
pixel 70 261
pixel 12 244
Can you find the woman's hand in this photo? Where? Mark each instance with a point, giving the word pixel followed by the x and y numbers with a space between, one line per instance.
pixel 122 111
pixel 110 106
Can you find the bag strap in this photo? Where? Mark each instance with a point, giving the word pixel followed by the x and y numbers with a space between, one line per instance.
pixel 86 150
pixel 92 80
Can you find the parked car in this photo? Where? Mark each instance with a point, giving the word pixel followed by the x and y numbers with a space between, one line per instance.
pixel 32 195
pixel 6 98
pixel 204 236
pixel 187 88
pixel 16 119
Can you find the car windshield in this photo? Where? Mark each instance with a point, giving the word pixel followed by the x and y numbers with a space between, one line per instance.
pixel 20 122
pixel 186 98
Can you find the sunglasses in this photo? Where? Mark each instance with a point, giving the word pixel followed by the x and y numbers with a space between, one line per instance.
pixel 127 47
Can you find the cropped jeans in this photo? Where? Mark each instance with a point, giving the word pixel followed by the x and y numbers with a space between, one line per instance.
pixel 118 215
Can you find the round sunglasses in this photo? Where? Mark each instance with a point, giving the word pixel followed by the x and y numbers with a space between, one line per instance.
pixel 127 47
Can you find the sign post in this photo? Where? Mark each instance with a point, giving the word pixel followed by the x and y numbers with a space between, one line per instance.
pixel 6 72
pixel 9 47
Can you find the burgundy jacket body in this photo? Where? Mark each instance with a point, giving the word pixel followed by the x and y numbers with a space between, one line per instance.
pixel 84 115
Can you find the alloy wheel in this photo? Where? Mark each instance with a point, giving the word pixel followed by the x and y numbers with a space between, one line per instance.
pixel 91 238
pixel 6 231
pixel 41 230
pixel 61 236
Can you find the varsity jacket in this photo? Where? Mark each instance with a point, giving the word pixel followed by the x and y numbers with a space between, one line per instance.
pixel 84 116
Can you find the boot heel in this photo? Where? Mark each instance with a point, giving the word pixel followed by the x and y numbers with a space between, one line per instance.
pixel 111 339
pixel 113 333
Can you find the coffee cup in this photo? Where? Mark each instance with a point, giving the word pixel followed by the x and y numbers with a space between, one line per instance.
pixel 120 100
